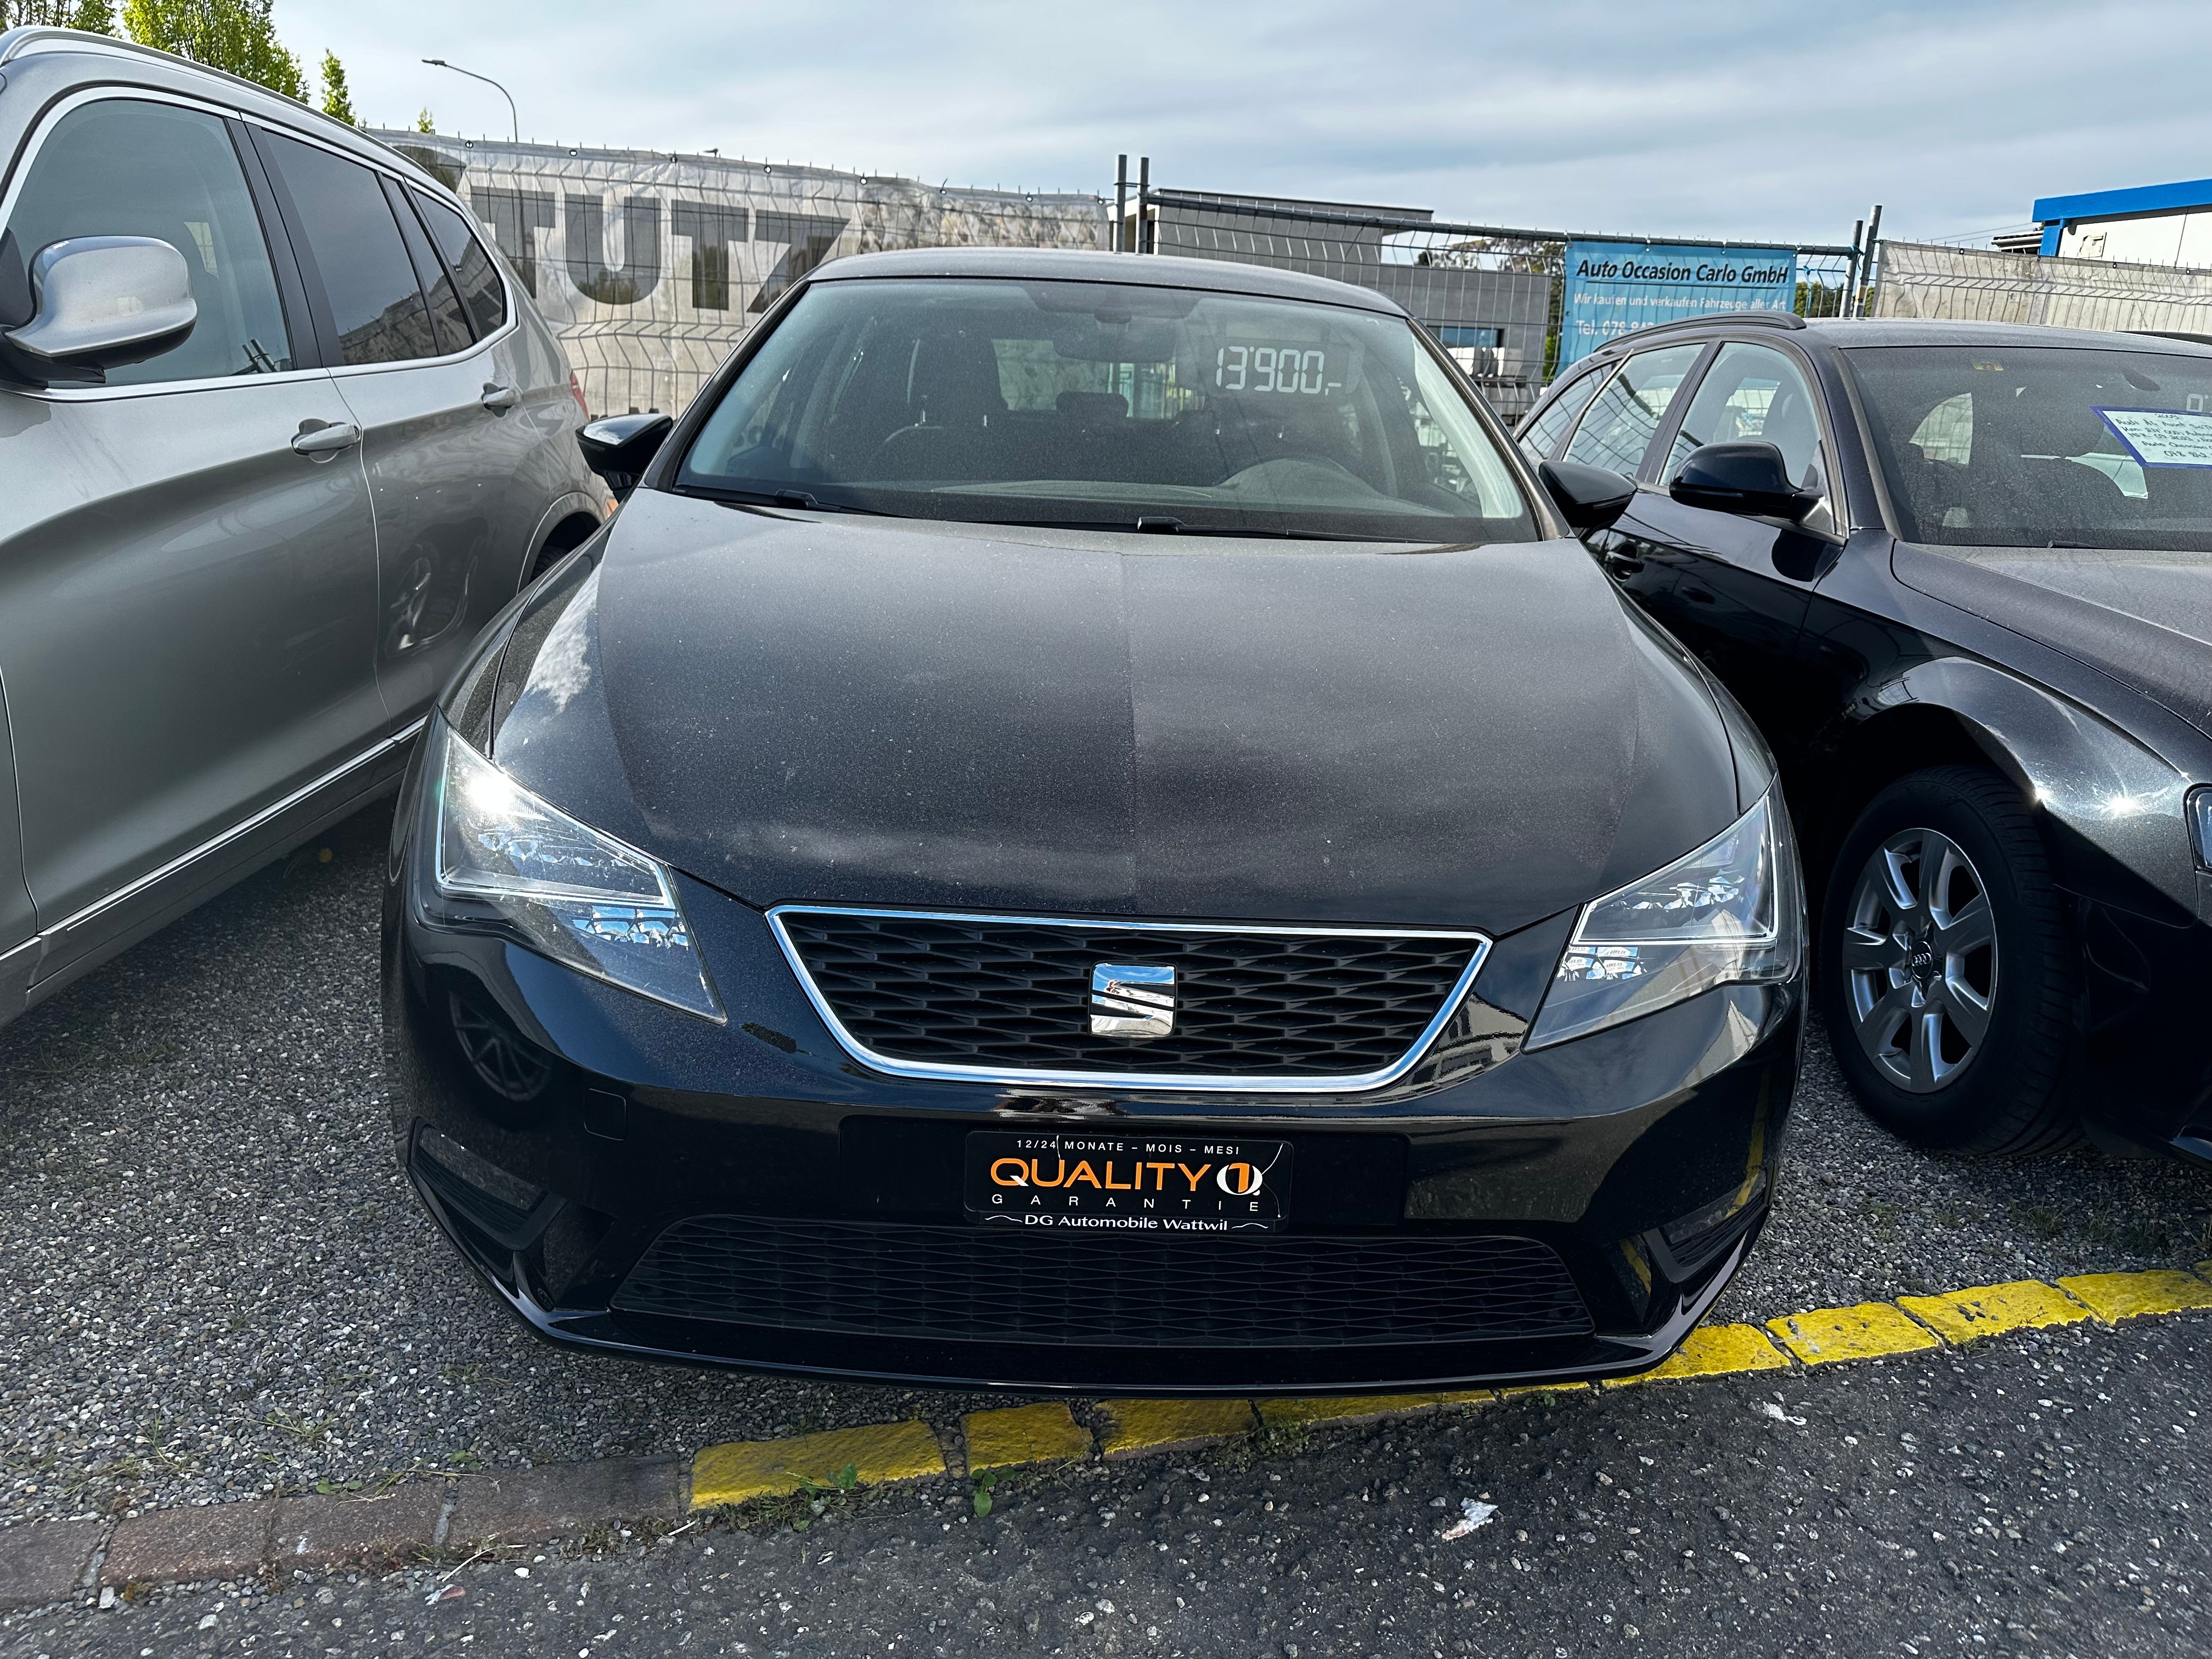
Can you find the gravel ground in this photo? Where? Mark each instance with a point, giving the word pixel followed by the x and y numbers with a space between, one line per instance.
pixel 2043 1495
pixel 219 1286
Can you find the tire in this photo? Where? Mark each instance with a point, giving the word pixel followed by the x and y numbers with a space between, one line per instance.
pixel 1947 976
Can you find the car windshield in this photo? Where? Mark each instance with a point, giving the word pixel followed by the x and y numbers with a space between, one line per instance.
pixel 1107 406
pixel 2043 446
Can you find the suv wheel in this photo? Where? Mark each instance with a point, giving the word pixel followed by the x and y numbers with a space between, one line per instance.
pixel 1947 974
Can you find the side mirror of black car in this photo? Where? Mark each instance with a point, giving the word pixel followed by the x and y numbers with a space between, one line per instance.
pixel 620 447
pixel 1747 478
pixel 1588 497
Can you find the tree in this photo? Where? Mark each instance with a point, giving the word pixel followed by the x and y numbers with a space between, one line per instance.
pixel 337 97
pixel 237 35
pixel 423 123
pixel 94 16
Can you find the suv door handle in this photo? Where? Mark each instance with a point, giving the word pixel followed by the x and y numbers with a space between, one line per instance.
pixel 500 398
pixel 322 439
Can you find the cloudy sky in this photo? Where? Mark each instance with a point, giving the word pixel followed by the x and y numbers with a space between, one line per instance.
pixel 1766 119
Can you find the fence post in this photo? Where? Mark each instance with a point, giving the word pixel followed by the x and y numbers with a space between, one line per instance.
pixel 1873 257
pixel 1845 304
pixel 1121 203
pixel 1144 205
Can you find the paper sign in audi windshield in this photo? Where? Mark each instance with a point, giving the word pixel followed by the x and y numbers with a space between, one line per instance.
pixel 1128 1183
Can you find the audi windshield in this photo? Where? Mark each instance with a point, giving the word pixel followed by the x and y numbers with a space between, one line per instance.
pixel 1107 406
pixel 2006 446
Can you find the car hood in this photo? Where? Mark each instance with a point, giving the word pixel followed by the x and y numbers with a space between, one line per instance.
pixel 2144 619
pixel 894 712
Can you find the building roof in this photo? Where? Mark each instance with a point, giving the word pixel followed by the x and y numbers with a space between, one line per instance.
pixel 2119 204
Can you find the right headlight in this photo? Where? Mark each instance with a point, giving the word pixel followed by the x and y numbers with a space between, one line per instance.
pixel 1732 912
pixel 560 886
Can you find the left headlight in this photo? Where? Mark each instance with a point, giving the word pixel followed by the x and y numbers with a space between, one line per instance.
pixel 567 890
pixel 1732 912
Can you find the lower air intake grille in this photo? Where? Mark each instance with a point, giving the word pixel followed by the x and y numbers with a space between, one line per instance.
pixel 963 1283
pixel 1011 995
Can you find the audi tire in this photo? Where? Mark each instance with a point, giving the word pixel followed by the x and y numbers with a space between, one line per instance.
pixel 1947 971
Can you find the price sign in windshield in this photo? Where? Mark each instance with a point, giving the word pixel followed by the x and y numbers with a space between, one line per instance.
pixel 1296 370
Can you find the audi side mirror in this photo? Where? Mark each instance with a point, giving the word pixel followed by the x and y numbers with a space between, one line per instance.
pixel 1751 479
pixel 98 303
pixel 1588 497
pixel 620 447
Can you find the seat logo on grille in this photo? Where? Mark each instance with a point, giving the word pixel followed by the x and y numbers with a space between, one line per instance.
pixel 1132 1002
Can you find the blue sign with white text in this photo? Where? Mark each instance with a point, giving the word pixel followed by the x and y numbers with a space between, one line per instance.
pixel 1613 287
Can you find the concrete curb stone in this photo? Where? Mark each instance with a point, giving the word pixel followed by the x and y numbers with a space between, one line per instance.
pixel 45 1561
pixel 345 1529
pixel 536 1506
pixel 207 1540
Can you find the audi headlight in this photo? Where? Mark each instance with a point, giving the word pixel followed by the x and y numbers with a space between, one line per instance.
pixel 568 892
pixel 1730 913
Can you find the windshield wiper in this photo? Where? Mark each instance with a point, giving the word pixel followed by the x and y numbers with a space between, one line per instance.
pixel 796 501
pixel 1150 525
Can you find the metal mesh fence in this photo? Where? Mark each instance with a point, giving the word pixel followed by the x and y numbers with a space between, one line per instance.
pixel 1918 279
pixel 1491 295
pixel 650 266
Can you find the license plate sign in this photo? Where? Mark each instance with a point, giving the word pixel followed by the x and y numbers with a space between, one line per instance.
pixel 1126 1184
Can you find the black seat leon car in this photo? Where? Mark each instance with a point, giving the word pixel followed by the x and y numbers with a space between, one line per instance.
pixel 1961 575
pixel 1088 825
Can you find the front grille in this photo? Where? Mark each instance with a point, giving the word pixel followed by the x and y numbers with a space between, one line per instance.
pixel 964 1284
pixel 1006 995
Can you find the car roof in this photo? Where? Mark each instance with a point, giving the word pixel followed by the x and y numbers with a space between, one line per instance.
pixel 1898 331
pixel 1080 266
pixel 113 61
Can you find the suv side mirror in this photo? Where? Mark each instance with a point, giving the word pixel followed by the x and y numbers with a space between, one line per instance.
pixel 1746 478
pixel 98 303
pixel 1588 497
pixel 620 447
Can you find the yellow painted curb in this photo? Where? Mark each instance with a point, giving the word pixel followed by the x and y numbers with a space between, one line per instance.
pixel 1023 1434
pixel 746 1469
pixel 1866 1332
pixel 2114 1297
pixel 1713 1351
pixel 1148 1425
pixel 1991 1309
pixel 1363 1408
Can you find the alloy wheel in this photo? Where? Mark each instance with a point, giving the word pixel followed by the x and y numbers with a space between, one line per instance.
pixel 1919 959
pixel 497 1052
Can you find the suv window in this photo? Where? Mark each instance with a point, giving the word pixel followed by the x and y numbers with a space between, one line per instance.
pixel 448 322
pixel 368 279
pixel 1543 434
pixel 1753 393
pixel 1622 419
pixel 123 166
pixel 482 292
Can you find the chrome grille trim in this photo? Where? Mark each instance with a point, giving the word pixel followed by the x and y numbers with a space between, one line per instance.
pixel 1174 1082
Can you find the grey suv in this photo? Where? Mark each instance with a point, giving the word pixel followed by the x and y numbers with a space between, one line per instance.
pixel 280 434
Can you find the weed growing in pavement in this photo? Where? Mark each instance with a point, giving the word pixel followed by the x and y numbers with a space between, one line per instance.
pixel 2044 1224
pixel 1882 1215
pixel 2153 1238
pixel 986 1484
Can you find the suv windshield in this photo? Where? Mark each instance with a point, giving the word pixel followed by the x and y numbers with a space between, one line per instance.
pixel 1101 405
pixel 2043 446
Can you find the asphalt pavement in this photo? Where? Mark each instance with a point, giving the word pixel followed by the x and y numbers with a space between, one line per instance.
pixel 219 1286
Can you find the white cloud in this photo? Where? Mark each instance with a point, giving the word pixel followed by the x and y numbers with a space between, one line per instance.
pixel 1730 118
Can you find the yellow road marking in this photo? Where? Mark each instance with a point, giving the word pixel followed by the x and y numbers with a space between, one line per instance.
pixel 1364 1408
pixel 2129 1296
pixel 1713 1351
pixel 1143 1425
pixel 1023 1434
pixel 1867 1331
pixel 1991 1309
pixel 746 1469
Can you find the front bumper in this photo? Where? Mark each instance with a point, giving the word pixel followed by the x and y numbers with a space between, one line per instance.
pixel 1604 1188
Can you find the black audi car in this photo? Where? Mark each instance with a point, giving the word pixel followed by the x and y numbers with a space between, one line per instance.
pixel 1088 825
pixel 1961 575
